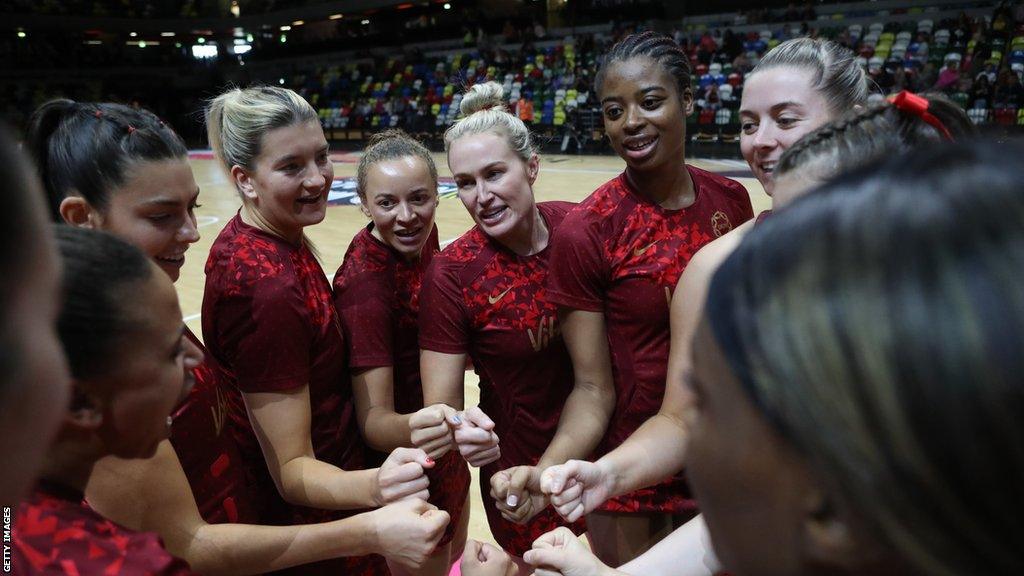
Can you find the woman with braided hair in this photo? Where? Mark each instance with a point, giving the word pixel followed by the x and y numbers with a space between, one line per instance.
pixel 615 262
pixel 862 137
pixel 797 86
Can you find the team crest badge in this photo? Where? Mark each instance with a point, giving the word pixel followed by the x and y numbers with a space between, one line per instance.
pixel 720 223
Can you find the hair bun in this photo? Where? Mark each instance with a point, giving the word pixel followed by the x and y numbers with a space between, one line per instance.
pixel 486 96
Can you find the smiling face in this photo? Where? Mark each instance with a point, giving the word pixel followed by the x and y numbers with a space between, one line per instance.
pixel 401 196
pixel 153 372
pixel 494 183
pixel 155 211
pixel 291 178
pixel 644 114
pixel 780 105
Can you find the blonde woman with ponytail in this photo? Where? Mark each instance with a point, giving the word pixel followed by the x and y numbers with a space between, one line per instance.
pixel 484 299
pixel 269 321
pixel 376 291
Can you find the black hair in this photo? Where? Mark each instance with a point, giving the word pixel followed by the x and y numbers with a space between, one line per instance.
pixel 19 229
pixel 100 273
pixel 878 324
pixel 656 46
pixel 88 148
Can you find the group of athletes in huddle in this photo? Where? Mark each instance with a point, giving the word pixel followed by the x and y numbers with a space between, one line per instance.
pixel 842 381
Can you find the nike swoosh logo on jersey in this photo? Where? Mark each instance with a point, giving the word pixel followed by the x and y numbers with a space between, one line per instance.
pixel 641 251
pixel 492 300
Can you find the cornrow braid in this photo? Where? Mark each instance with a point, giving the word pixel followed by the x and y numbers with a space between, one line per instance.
pixel 865 136
pixel 656 46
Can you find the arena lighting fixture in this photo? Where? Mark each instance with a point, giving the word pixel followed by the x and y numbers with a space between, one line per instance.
pixel 447 6
pixel 201 40
pixel 281 81
pixel 298 23
pixel 21 34
pixel 248 37
pixel 167 34
pixel 285 28
pixel 93 42
pixel 242 49
pixel 134 34
pixel 365 22
pixel 200 51
pixel 284 38
pixel 335 16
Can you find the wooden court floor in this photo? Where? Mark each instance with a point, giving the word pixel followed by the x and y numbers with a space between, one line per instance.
pixel 569 178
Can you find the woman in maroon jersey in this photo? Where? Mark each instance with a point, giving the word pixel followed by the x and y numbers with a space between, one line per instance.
pixel 144 193
pixel 798 86
pixel 33 371
pixel 483 298
pixel 131 364
pixel 615 263
pixel 269 321
pixel 376 292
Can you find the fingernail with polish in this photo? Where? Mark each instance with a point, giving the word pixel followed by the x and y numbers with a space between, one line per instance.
pixel 430 461
pixel 512 500
pixel 456 419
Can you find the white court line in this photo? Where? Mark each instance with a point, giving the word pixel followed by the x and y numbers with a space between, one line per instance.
pixel 206 221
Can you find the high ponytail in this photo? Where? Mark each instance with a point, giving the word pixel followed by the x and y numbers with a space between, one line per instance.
pixel 88 148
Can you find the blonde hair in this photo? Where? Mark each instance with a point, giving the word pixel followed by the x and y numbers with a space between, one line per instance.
pixel 391 145
pixel 836 74
pixel 484 111
pixel 237 120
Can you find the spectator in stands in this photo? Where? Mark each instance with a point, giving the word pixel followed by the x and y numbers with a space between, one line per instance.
pixel 1009 93
pixel 524 110
pixel 948 77
pixel 981 93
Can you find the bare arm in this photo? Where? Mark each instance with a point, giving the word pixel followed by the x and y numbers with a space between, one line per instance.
pixel 442 376
pixel 281 421
pixel 657 449
pixel 382 427
pixel 685 552
pixel 154 495
pixel 589 406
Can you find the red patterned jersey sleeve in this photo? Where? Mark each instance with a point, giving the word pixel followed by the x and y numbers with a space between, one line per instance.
pixel 272 338
pixel 444 321
pixel 365 303
pixel 579 268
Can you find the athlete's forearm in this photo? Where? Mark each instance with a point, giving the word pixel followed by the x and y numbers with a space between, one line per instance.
pixel 654 452
pixel 238 549
pixel 584 420
pixel 306 481
pixel 384 430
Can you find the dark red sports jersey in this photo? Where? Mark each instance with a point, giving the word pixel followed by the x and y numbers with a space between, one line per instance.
pixel 56 532
pixel 377 294
pixel 270 324
pixel 620 254
pixel 483 300
pixel 207 450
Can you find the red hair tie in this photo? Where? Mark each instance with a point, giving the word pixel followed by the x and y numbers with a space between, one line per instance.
pixel 97 113
pixel 131 128
pixel 918 106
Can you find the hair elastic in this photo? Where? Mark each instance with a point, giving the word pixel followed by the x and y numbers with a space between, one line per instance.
pixel 918 106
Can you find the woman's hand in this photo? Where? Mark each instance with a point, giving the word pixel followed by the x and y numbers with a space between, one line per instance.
pixel 430 430
pixel 481 559
pixel 407 532
pixel 475 437
pixel 560 553
pixel 403 476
